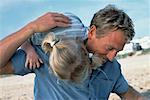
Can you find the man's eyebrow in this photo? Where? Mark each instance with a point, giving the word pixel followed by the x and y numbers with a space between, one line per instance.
pixel 117 49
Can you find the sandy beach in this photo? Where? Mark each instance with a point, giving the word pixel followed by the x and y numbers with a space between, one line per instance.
pixel 136 70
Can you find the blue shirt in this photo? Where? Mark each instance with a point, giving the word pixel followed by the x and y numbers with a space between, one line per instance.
pixel 100 83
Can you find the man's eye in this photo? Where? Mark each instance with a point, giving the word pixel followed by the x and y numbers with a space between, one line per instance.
pixel 109 49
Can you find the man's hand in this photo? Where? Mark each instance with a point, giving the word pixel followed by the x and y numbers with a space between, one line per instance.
pixel 49 21
pixel 10 44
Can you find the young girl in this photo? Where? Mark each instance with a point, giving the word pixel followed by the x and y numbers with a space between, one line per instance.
pixel 68 57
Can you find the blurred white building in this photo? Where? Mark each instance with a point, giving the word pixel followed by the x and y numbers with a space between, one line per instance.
pixel 144 42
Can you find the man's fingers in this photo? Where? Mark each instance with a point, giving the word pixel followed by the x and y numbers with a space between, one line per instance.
pixel 60 15
pixel 61 24
pixel 60 19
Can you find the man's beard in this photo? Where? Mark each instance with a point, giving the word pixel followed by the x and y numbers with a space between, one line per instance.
pixel 98 60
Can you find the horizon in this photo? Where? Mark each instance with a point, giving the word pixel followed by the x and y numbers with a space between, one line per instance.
pixel 14 14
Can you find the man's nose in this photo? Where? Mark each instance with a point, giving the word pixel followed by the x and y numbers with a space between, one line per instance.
pixel 111 55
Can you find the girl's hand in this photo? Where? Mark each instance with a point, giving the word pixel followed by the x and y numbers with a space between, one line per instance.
pixel 32 59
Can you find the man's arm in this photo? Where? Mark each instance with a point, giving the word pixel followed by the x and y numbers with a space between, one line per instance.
pixel 7 69
pixel 9 44
pixel 132 94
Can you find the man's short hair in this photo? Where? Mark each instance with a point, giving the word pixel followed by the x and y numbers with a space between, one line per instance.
pixel 110 18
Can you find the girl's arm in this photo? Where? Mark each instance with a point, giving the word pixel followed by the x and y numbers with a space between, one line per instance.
pixel 32 59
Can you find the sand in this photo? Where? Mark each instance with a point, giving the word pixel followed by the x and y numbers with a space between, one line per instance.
pixel 136 70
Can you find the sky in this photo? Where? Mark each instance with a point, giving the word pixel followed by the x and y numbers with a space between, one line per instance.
pixel 14 14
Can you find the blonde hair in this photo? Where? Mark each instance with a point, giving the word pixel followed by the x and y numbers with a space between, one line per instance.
pixel 68 57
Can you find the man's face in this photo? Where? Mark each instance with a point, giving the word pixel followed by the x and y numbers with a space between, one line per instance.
pixel 106 46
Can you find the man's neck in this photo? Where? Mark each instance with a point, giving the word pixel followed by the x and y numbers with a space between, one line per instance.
pixel 86 44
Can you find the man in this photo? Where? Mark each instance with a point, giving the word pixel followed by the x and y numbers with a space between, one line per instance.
pixel 110 29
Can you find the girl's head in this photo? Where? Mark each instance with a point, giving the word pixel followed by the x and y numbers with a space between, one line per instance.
pixel 68 57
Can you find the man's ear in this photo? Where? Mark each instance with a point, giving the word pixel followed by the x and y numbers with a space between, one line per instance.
pixel 92 32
